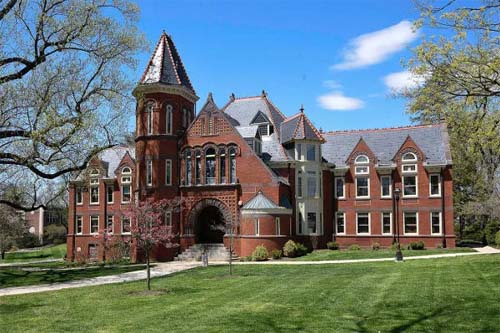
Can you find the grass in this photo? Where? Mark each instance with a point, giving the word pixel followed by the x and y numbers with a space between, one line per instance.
pixel 440 295
pixel 53 252
pixel 372 254
pixel 32 275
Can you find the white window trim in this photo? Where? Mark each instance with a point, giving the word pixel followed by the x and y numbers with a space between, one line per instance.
pixel 363 162
pixel 369 224
pixel 149 172
pixel 440 223
pixel 336 223
pixel 79 203
pixel 298 154
pixel 169 119
pixel 359 173
pixel 381 187
pixel 168 172
pixel 414 159
pixel 439 185
pixel 356 184
pixel 130 193
pixel 300 186
pixel 404 224
pixel 112 194
pixel 150 119
pixel 112 224
pixel 94 203
pixel 343 187
pixel 121 225
pixel 277 226
pixel 416 187
pixel 382 223
pixel 256 226
pixel 79 219
pixel 410 172
pixel 90 225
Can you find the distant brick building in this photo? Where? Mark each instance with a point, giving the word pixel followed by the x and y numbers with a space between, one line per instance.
pixel 276 175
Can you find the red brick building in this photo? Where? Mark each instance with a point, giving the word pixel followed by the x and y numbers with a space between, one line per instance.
pixel 274 176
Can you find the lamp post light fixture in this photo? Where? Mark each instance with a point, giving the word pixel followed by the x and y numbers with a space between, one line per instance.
pixel 399 254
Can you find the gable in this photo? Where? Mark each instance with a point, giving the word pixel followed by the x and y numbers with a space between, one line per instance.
pixel 260 118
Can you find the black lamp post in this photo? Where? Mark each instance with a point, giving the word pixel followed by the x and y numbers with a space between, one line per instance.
pixel 399 254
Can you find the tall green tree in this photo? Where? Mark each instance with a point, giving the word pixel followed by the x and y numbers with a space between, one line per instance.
pixel 64 90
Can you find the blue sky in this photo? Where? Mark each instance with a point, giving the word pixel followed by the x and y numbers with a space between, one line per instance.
pixel 339 58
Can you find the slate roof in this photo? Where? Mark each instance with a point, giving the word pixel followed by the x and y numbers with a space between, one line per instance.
pixel 260 202
pixel 431 139
pixel 165 66
pixel 299 127
pixel 248 131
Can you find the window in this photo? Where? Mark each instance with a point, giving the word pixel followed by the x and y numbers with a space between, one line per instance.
pixel 311 184
pixel 210 166
pixel 362 187
pixel 263 129
pixel 277 225
pixel 385 186
pixel 386 223
pixel 298 152
pixel 126 171
pixel 109 193
pixel 79 225
pixel 149 173
pixel 410 220
pixel 184 117
pixel 187 158
pixel 409 163
pixel 149 110
pixel 125 225
pixel 94 194
pixel 436 223
pixel 299 186
pixel 409 157
pixel 340 219
pixel 362 159
pixel 301 223
pixel 168 218
pixel 168 172
pixel 363 223
pixel 435 185
pixel 109 224
pixel 256 226
pixel 410 186
pixel 197 170
pixel 340 188
pixel 125 193
pixel 126 185
pixel 94 224
pixel 311 152
pixel 232 165
pixel 409 168
pixel 222 165
pixel 168 119
pixel 79 196
pixel 311 222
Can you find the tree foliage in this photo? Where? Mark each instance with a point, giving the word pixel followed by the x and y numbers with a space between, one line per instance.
pixel 64 90
pixel 460 61
pixel 12 227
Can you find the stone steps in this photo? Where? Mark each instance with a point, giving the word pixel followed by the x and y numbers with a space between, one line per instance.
pixel 216 252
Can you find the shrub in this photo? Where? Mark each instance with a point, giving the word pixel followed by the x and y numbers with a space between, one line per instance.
pixel 28 240
pixel 290 249
pixel 332 245
pixel 497 238
pixel 260 253
pixel 354 247
pixel 490 232
pixel 416 246
pixel 301 250
pixel 276 254
pixel 55 234
pixel 394 247
pixel 375 246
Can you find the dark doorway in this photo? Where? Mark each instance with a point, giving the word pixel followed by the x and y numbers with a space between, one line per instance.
pixel 210 226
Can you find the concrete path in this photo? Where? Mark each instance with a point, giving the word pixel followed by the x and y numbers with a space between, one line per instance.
pixel 161 269
pixel 26 263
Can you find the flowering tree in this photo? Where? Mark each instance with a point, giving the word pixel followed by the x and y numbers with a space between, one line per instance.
pixel 115 247
pixel 148 228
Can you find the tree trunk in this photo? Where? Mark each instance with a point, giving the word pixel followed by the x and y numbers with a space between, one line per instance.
pixel 148 271
pixel 3 255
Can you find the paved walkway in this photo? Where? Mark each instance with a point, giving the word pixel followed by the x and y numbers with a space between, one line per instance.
pixel 163 269
pixel 25 263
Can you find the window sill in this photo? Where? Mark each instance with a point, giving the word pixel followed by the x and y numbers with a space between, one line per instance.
pixel 341 198
pixel 386 198
pixel 410 197
pixel 94 204
pixel 362 198
pixel 435 196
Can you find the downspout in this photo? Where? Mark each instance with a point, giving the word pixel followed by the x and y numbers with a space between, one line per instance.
pixel 443 207
pixel 73 240
pixel 290 198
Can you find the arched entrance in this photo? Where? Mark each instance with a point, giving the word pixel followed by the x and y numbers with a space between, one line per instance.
pixel 210 226
pixel 208 217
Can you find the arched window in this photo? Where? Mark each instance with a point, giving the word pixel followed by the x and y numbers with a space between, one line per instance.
pixel 187 158
pixel 222 165
pixel 232 165
pixel 210 166
pixel 410 177
pixel 197 170
pixel 409 157
pixel 126 184
pixel 362 159
pixel 168 119
pixel 94 173
pixel 149 111
pixel 362 173
pixel 126 171
pixel 184 118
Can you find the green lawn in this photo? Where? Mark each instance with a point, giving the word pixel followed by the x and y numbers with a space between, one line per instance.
pixel 53 252
pixel 440 295
pixel 25 276
pixel 371 254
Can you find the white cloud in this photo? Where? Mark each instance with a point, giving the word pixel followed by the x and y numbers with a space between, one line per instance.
pixel 331 84
pixel 401 81
pixel 375 47
pixel 338 102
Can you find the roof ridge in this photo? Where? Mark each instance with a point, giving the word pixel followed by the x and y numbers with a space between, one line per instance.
pixel 315 130
pixel 274 106
pixel 395 128
pixel 291 117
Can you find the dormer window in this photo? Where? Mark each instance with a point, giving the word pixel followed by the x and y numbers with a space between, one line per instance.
pixel 409 171
pixel 362 167
pixel 126 184
pixel 362 173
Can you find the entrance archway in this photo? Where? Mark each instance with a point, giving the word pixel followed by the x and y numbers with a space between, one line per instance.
pixel 210 226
